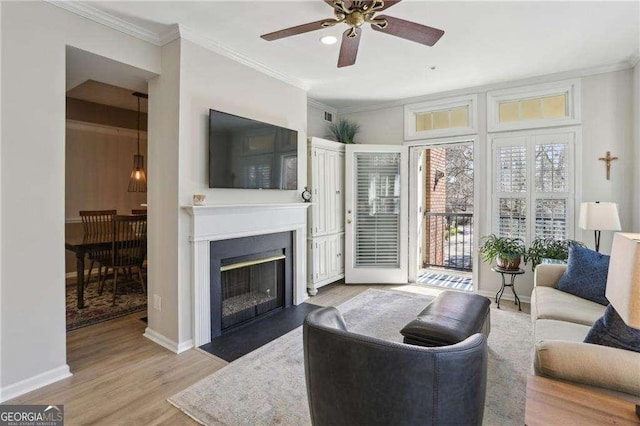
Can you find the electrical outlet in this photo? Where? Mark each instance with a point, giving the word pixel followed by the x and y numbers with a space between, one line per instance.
pixel 157 302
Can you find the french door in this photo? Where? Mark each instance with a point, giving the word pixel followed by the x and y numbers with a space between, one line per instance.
pixel 376 202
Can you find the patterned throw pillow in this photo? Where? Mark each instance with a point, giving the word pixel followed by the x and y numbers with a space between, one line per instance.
pixel 610 330
pixel 586 274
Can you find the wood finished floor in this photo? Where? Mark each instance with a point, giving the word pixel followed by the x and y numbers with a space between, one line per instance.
pixel 122 378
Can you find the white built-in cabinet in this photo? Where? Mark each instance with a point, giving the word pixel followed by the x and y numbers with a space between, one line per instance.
pixel 326 215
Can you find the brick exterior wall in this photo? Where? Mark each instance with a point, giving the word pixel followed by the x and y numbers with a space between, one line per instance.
pixel 435 201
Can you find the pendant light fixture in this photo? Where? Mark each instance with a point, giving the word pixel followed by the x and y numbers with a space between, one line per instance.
pixel 138 179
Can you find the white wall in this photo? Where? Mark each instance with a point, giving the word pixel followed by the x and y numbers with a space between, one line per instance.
pixel 316 126
pixel 208 80
pixel 380 126
pixel 34 36
pixel 607 124
pixel 162 178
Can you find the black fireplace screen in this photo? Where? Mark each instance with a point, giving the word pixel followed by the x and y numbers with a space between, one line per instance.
pixel 250 277
pixel 251 288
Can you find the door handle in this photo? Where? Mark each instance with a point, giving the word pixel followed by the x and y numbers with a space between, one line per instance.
pixel 348 220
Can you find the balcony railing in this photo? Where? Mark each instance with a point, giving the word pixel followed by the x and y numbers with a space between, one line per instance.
pixel 449 240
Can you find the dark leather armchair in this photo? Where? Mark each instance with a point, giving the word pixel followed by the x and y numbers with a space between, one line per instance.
pixel 354 379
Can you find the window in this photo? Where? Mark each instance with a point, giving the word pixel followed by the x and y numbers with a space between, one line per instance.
pixel 442 118
pixel 543 105
pixel 533 109
pixel 533 185
pixel 446 119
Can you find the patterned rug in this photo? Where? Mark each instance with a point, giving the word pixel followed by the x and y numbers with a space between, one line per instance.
pixel 267 386
pixel 445 280
pixel 98 308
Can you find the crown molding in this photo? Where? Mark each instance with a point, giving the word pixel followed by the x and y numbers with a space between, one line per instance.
pixel 170 35
pixel 584 72
pixel 176 31
pixel 106 19
pixel 317 104
pixel 217 47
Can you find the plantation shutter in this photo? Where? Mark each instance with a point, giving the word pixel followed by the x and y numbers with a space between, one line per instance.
pixel 533 185
pixel 551 196
pixel 377 211
pixel 511 188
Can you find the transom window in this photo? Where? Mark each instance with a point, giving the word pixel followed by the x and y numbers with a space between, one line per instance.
pixel 533 109
pixel 445 119
pixel 533 185
pixel 543 105
pixel 441 118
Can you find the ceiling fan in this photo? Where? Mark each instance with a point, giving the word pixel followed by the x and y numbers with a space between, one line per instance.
pixel 355 13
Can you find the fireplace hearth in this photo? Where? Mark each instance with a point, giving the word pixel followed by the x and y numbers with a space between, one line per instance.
pixel 250 277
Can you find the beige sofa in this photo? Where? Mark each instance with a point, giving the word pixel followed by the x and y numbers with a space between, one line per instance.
pixel 561 321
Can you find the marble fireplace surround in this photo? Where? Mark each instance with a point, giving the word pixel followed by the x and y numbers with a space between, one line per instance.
pixel 216 222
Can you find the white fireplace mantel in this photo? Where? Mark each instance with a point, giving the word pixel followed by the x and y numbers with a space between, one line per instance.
pixel 214 222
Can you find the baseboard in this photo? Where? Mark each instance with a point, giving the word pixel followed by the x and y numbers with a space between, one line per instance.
pixel 167 343
pixel 35 382
pixel 506 296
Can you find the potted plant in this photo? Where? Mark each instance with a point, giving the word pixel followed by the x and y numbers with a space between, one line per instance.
pixel 548 248
pixel 506 251
pixel 344 131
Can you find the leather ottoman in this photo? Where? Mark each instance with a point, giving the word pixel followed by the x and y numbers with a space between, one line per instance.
pixel 452 317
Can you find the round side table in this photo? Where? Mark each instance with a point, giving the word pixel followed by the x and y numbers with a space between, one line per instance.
pixel 512 273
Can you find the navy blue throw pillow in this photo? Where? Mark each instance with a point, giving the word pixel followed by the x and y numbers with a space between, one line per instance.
pixel 610 330
pixel 586 274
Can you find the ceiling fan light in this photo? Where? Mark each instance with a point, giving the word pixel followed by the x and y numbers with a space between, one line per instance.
pixel 328 39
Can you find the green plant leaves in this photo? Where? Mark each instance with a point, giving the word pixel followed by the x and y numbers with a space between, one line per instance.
pixel 344 131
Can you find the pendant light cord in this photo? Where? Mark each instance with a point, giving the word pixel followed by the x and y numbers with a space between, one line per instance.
pixel 138 125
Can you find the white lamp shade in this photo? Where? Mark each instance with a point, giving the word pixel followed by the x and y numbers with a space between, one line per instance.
pixel 623 281
pixel 599 216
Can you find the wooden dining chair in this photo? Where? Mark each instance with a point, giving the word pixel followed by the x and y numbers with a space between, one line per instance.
pixel 97 225
pixel 128 249
pixel 137 212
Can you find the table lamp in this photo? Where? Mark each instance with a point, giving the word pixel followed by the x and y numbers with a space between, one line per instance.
pixel 598 217
pixel 623 280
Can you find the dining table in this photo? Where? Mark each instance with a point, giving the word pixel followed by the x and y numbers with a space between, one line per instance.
pixel 81 245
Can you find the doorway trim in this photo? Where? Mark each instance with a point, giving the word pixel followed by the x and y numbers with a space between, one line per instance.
pixel 414 148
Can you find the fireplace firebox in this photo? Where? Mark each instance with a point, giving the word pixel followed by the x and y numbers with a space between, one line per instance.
pixel 250 277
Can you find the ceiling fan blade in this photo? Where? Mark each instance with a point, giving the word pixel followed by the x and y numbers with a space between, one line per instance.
pixel 349 48
pixel 304 28
pixel 347 3
pixel 388 4
pixel 410 30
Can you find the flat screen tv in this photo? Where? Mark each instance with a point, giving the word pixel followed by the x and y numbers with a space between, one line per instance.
pixel 245 153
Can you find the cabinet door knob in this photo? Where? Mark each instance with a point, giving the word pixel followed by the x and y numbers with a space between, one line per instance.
pixel 348 220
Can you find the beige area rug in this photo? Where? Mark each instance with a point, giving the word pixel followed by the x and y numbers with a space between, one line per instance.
pixel 267 386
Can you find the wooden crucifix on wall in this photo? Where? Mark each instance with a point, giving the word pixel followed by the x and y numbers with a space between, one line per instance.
pixel 608 159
